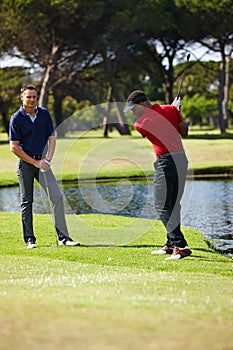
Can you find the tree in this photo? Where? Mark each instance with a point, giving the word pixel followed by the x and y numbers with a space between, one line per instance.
pixel 63 41
pixel 199 110
pixel 165 37
pixel 100 50
pixel 106 61
pixel 10 83
pixel 213 29
pixel 50 37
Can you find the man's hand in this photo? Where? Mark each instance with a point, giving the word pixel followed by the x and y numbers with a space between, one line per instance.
pixel 44 165
pixel 177 103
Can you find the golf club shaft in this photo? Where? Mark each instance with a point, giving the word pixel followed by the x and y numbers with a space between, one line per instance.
pixel 183 75
pixel 49 200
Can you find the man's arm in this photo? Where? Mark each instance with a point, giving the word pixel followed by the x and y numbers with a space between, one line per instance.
pixel 183 129
pixel 51 147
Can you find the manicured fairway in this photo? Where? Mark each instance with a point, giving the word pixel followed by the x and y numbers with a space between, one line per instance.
pixel 75 298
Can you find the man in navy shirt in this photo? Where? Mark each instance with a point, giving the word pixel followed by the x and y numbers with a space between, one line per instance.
pixel 33 141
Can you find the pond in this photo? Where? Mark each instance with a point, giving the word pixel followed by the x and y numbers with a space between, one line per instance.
pixel 206 204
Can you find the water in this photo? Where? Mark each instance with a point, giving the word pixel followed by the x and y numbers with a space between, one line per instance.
pixel 206 205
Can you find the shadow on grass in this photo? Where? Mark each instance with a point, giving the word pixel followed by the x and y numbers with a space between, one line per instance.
pixel 226 136
pixel 75 137
pixel 119 246
pixel 141 246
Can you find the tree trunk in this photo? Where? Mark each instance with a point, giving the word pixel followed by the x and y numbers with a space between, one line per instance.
pixel 58 115
pixel 123 124
pixel 3 112
pixel 170 82
pixel 5 122
pixel 226 91
pixel 168 89
pixel 106 124
pixel 111 120
pixel 221 95
pixel 43 99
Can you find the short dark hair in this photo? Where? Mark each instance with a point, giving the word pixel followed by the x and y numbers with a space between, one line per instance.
pixel 28 87
pixel 137 96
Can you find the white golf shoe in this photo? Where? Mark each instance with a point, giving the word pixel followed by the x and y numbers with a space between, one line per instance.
pixel 180 253
pixel 164 250
pixel 31 244
pixel 68 242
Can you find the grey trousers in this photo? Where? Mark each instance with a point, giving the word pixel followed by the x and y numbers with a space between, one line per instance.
pixel 26 175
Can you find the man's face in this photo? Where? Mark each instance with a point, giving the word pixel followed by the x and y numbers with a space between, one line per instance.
pixel 138 110
pixel 29 98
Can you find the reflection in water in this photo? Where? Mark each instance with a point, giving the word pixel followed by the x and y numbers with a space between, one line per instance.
pixel 212 203
pixel 207 205
pixel 128 200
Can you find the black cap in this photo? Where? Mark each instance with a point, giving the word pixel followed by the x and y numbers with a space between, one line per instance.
pixel 134 98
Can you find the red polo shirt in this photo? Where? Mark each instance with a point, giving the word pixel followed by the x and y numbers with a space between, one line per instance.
pixel 159 124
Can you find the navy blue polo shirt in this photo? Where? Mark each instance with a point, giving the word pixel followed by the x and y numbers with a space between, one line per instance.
pixel 33 136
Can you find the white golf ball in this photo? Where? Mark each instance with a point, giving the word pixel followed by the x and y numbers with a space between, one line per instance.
pixel 109 259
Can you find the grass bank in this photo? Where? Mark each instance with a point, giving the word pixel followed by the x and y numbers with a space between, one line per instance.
pixel 89 155
pixel 69 298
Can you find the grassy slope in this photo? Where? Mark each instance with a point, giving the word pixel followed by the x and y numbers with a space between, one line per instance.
pixel 61 298
pixel 68 298
pixel 91 155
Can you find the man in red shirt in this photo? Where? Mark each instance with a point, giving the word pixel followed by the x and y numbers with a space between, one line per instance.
pixel 163 126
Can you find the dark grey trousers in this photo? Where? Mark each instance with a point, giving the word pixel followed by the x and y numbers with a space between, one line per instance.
pixel 169 182
pixel 26 175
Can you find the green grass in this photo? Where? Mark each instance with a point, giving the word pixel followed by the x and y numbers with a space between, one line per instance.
pixel 89 155
pixel 75 298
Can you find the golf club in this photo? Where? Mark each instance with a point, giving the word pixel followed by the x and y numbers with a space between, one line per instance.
pixel 183 75
pixel 50 205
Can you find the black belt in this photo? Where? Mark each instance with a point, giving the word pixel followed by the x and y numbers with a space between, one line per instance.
pixel 164 155
pixel 36 156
